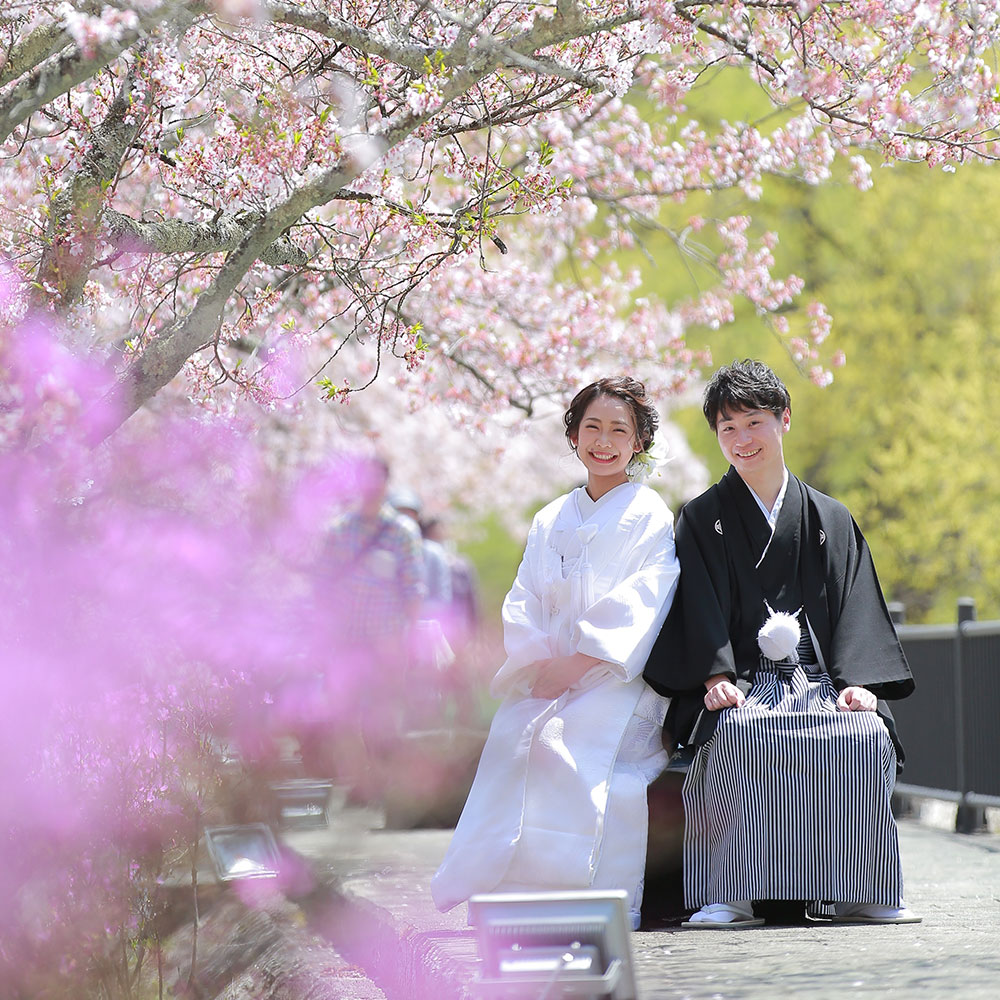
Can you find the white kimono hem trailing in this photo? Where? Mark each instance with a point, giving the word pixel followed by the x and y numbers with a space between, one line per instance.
pixel 559 799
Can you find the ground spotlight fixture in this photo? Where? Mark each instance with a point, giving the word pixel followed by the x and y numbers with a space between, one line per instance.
pixel 242 852
pixel 302 802
pixel 543 945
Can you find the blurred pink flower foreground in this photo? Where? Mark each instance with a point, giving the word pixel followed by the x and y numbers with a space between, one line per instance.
pixel 163 603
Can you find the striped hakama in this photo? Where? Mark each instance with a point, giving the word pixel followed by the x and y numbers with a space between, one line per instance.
pixel 790 799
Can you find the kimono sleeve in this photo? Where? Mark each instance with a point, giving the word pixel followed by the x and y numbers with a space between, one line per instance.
pixel 694 642
pixel 865 648
pixel 620 627
pixel 525 638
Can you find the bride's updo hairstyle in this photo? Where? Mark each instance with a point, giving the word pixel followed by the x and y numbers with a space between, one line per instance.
pixel 630 391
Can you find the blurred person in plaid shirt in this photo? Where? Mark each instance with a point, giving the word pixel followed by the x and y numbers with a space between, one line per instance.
pixel 374 558
pixel 376 554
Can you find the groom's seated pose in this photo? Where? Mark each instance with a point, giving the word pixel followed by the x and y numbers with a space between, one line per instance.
pixel 775 652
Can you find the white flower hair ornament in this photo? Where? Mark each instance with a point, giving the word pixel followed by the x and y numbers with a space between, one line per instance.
pixel 778 637
pixel 647 462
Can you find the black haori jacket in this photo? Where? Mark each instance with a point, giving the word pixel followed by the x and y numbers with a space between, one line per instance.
pixel 817 559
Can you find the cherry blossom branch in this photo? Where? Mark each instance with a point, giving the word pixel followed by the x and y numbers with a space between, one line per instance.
pixel 418 130
pixel 352 35
pixel 68 256
pixel 43 42
pixel 514 113
pixel 450 221
pixel 832 111
pixel 65 69
pixel 724 36
pixel 220 234
pixel 519 52
pixel 543 66
pixel 522 51
pixel 47 39
pixel 456 359
pixel 165 356
pixel 167 353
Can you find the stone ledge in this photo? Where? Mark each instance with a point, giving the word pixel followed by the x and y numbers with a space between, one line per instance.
pixel 261 950
pixel 408 952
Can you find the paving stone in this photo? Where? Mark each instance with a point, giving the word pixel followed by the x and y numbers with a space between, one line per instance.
pixel 380 915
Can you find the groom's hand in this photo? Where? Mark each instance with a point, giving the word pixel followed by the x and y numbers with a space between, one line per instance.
pixel 722 693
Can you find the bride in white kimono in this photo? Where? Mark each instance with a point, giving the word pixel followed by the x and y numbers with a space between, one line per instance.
pixel 559 799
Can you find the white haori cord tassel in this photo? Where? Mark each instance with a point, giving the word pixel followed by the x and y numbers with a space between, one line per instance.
pixel 778 637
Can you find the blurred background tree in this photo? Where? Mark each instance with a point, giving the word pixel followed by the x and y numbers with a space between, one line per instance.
pixel 901 435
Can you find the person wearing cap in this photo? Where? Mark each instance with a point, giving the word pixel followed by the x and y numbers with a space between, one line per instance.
pixel 436 571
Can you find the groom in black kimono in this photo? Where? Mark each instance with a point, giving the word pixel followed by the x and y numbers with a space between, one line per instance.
pixel 757 542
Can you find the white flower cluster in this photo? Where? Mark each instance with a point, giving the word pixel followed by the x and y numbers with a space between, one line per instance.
pixel 647 463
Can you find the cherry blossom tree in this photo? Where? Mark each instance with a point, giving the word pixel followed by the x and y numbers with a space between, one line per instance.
pixel 267 194
pixel 278 204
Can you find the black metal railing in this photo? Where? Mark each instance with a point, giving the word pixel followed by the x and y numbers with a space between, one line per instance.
pixel 950 726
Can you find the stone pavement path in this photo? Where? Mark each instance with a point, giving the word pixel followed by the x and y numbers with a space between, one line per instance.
pixel 380 878
pixel 952 881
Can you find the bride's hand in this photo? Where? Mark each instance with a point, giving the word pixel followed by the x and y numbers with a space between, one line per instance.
pixel 559 674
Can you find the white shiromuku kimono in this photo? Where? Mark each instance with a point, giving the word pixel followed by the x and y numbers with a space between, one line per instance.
pixel 559 799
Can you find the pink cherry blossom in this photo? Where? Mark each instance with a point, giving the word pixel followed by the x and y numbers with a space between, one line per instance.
pixel 218 220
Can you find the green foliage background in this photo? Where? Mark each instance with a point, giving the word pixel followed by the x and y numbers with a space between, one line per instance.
pixel 903 436
pixel 910 271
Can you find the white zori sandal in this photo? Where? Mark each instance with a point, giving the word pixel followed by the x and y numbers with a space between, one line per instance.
pixel 872 913
pixel 724 917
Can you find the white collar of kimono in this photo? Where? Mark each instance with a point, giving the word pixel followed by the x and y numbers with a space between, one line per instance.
pixel 772 514
pixel 586 505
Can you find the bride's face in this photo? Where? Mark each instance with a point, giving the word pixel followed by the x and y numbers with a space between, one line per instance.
pixel 606 439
